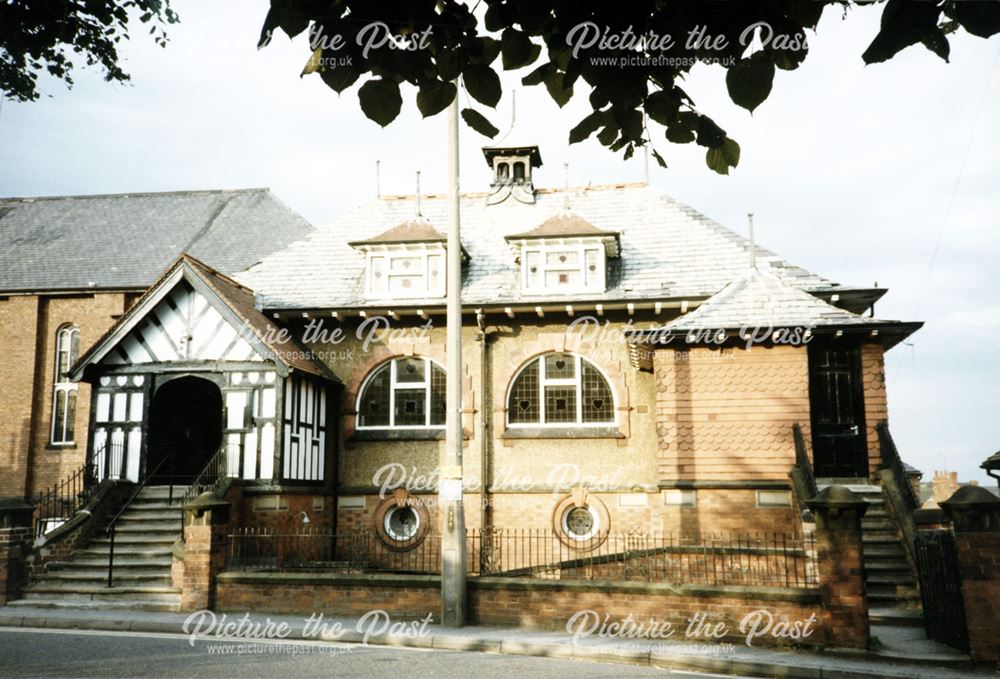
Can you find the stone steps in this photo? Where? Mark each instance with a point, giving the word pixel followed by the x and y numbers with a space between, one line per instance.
pixel 144 538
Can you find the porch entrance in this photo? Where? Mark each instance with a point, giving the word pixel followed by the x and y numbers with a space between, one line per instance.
pixel 185 429
pixel 836 403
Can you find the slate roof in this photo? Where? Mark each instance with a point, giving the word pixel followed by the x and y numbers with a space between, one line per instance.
pixel 124 241
pixel 412 231
pixel 668 250
pixel 562 225
pixel 760 296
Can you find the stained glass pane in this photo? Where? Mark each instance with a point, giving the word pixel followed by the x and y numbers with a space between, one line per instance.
pixel 70 414
pixel 373 409
pixel 562 259
pixel 411 407
pixel 532 263
pixel 560 404
pixel 556 279
pixel 59 417
pixel 438 394
pixel 409 370
pixel 560 366
pixel 597 401
pixel 523 406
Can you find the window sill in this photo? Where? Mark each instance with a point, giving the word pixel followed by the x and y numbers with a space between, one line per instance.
pixel 61 446
pixel 397 435
pixel 562 433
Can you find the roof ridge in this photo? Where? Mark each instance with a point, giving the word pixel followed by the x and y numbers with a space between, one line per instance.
pixel 548 190
pixel 125 194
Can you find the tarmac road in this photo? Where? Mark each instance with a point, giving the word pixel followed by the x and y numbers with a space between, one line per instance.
pixel 72 653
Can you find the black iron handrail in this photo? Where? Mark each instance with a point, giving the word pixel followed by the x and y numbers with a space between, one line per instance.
pixel 802 459
pixel 211 476
pixel 114 521
pixel 65 498
pixel 891 461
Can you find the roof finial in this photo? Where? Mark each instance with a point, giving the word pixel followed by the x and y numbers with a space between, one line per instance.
pixel 418 194
pixel 565 187
pixel 753 244
pixel 378 179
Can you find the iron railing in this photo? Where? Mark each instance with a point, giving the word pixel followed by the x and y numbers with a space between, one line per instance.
pixel 891 461
pixel 59 503
pixel 269 549
pixel 762 559
pixel 802 462
pixel 211 476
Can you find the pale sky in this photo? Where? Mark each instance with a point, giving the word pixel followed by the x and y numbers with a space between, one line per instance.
pixel 887 173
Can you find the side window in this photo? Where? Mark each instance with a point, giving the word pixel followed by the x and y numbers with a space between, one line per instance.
pixel 64 391
pixel 560 389
pixel 403 393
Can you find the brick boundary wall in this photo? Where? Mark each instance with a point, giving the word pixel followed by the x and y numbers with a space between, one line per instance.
pixel 545 604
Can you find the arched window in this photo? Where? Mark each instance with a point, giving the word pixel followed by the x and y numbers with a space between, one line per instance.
pixel 519 172
pixel 560 389
pixel 503 171
pixel 64 391
pixel 403 393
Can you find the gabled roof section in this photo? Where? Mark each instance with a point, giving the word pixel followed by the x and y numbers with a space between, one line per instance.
pixel 412 231
pixel 567 224
pixel 123 242
pixel 234 302
pixel 759 296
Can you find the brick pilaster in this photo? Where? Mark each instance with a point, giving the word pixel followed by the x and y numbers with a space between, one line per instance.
pixel 840 561
pixel 15 544
pixel 975 513
pixel 206 521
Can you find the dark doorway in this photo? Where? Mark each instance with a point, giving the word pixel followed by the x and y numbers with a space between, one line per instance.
pixel 836 401
pixel 185 429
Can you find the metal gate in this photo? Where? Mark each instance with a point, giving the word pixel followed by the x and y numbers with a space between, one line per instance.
pixel 940 588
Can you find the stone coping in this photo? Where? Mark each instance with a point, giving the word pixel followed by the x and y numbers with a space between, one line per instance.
pixel 792 594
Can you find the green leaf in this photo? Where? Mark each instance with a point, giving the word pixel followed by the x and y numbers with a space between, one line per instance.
pixel 587 126
pixel 662 106
pixel 659 159
pixel 479 123
pixel 537 77
pixel 340 78
pixel 749 80
pixel 724 157
pixel 483 84
pixel 981 19
pixel 380 100
pixel 903 24
pixel 681 130
pixel 449 64
pixel 434 97
pixel 710 134
pixel 517 49
pixel 608 135
pixel 557 89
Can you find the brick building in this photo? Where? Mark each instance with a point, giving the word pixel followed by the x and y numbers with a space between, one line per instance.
pixel 70 266
pixel 678 352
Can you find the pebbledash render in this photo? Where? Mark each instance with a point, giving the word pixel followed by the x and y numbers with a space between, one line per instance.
pixel 628 365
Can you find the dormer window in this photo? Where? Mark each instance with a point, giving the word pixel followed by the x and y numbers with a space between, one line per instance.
pixel 565 254
pixel 406 273
pixel 563 268
pixel 406 261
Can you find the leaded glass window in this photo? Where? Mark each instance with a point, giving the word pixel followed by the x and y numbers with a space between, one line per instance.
pixel 403 393
pixel 560 389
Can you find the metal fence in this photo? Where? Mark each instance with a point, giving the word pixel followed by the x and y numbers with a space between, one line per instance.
pixel 760 559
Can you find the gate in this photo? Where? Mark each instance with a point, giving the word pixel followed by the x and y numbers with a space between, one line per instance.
pixel 940 588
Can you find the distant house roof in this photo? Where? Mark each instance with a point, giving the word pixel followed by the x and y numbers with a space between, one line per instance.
pixel 124 241
pixel 411 231
pixel 668 250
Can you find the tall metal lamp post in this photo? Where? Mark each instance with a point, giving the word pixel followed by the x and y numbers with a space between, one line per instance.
pixel 450 505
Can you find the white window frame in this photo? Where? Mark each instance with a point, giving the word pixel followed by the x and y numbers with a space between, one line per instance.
pixel 422 252
pixel 577 382
pixel 62 388
pixel 580 248
pixel 405 386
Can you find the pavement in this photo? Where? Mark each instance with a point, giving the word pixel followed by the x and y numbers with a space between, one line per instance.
pixel 722 658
